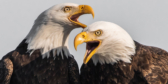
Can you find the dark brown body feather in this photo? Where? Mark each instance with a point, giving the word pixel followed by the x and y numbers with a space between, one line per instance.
pixel 148 66
pixel 25 69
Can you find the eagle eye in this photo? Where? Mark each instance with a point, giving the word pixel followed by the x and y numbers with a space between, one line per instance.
pixel 67 9
pixel 98 32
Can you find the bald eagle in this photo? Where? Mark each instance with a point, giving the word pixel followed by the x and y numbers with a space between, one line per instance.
pixel 112 57
pixel 43 56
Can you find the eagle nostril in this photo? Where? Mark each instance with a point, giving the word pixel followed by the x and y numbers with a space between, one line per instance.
pixel 82 7
pixel 83 36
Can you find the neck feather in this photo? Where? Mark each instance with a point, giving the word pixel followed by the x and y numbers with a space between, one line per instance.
pixel 47 37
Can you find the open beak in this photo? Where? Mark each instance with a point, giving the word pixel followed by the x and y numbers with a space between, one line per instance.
pixel 91 45
pixel 83 9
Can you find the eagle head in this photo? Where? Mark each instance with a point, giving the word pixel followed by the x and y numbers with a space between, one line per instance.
pixel 53 26
pixel 106 42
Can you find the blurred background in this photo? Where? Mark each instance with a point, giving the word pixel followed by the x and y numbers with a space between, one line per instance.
pixel 145 20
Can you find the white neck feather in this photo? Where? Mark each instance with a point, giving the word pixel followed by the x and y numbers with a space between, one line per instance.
pixel 115 51
pixel 47 37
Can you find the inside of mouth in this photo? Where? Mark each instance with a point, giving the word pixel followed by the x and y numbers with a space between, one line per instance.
pixel 90 46
pixel 75 17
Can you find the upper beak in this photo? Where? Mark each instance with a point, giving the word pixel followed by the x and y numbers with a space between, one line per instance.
pixel 86 9
pixel 83 9
pixel 79 39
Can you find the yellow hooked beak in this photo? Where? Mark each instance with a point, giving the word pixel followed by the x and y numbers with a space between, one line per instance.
pixel 83 9
pixel 92 44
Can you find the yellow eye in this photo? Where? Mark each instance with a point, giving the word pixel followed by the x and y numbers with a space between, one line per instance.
pixel 67 9
pixel 98 32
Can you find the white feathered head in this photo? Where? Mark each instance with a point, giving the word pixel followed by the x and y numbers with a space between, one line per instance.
pixel 53 26
pixel 106 43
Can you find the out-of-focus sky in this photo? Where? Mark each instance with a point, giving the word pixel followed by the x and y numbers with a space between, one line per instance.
pixel 145 20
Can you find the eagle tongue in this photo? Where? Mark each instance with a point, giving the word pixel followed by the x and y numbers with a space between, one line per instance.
pixel 75 17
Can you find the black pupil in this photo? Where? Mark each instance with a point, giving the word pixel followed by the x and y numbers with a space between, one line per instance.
pixel 66 9
pixel 98 32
